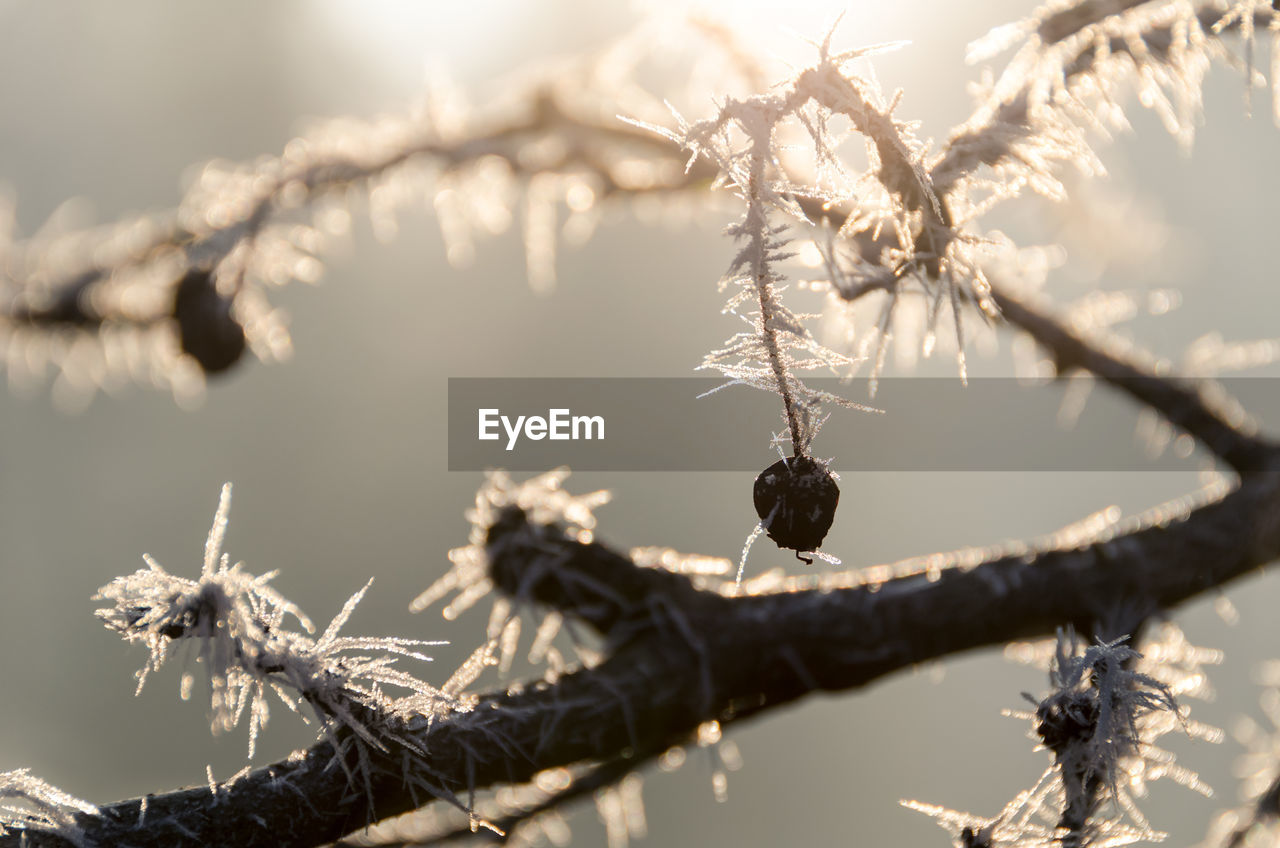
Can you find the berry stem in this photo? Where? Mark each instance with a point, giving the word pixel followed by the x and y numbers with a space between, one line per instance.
pixel 757 223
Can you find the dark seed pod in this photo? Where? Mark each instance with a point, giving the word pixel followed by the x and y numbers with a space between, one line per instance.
pixel 206 328
pixel 796 499
pixel 1069 717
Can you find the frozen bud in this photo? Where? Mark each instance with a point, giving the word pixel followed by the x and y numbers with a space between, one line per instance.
pixel 1066 717
pixel 796 501
pixel 207 330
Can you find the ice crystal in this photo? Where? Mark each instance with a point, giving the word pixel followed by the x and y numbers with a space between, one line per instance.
pixel 1100 721
pixel 1072 71
pixel 239 622
pixel 100 307
pixel 1030 820
pixel 910 228
pixel 29 804
pixel 1107 706
pixel 1074 65
pixel 1077 58
pixel 544 501
pixel 694 566
pixel 749 142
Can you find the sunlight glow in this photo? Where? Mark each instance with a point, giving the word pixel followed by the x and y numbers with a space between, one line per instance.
pixel 404 36
pixel 472 38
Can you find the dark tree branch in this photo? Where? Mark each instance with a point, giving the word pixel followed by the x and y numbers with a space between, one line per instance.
pixel 602 776
pixel 1213 419
pixel 683 656
pixel 1217 425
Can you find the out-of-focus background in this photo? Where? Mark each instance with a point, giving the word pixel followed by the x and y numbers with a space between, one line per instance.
pixel 338 456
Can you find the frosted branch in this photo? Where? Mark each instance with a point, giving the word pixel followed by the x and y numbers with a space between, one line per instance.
pixel 680 656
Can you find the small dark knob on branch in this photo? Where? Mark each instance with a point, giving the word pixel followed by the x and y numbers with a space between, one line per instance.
pixel 796 499
pixel 1066 718
pixel 206 328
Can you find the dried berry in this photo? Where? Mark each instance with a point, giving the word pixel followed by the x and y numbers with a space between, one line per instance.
pixel 1067 717
pixel 206 328
pixel 796 500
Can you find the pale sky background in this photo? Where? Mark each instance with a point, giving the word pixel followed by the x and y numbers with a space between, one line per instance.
pixel 338 456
